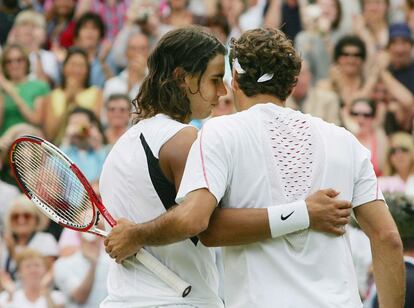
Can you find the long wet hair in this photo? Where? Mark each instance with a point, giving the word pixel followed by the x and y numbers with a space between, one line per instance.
pixel 180 53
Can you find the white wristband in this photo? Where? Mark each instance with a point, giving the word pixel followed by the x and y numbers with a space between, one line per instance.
pixel 288 218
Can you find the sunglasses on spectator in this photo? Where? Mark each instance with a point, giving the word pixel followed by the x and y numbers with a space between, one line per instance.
pixel 112 109
pixel 366 115
pixel 25 216
pixel 15 60
pixel 351 54
pixel 394 150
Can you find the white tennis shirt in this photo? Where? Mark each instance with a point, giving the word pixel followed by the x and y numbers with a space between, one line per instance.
pixel 128 191
pixel 270 155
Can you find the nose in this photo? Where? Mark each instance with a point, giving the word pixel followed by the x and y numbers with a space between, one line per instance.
pixel 221 90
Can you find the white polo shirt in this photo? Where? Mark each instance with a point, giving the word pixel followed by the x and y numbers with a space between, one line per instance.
pixel 270 155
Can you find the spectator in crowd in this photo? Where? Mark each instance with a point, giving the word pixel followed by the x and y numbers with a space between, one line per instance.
pixel 23 229
pixel 6 141
pixel 400 48
pixel 36 289
pixel 372 25
pixel 89 35
pixel 61 24
pixel 82 275
pixel 232 10
pixel 315 101
pixel 8 12
pixel 29 31
pixel 74 91
pixel 19 96
pixel 84 142
pixel 393 100
pixel 179 15
pixel 112 13
pixel 399 166
pixel 219 26
pixel 286 15
pixel 363 126
pixel 129 80
pixel 118 111
pixel 409 13
pixel 347 78
pixel 321 33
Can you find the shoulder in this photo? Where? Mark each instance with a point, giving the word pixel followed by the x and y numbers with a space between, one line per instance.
pixel 185 137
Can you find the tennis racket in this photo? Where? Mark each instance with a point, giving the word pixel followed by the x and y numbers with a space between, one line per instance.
pixel 60 190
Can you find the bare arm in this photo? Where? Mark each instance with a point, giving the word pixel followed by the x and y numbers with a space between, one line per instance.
pixel 245 226
pixel 81 294
pixel 32 116
pixel 389 274
pixel 397 89
pixel 181 222
pixel 273 17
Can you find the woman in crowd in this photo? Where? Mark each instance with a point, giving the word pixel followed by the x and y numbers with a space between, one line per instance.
pixel 365 128
pixel 61 24
pixel 347 74
pixel 399 167
pixel 19 96
pixel 74 91
pixel 35 290
pixel 23 225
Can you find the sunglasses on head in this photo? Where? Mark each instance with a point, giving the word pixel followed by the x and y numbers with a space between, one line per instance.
pixel 26 216
pixel 362 114
pixel 351 54
pixel 394 150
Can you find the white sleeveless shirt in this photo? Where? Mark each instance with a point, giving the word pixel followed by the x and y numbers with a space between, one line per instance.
pixel 128 189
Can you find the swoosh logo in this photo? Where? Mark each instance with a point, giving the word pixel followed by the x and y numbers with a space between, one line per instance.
pixel 285 217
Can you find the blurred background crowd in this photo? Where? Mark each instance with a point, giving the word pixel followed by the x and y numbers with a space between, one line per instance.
pixel 70 68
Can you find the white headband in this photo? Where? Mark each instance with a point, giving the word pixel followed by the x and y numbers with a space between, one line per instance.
pixel 240 70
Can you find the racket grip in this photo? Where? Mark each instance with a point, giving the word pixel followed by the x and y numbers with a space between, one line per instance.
pixel 163 272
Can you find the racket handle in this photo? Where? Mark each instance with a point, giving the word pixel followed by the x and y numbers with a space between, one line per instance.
pixel 163 272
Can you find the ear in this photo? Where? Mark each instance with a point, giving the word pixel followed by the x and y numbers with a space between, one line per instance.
pixel 179 73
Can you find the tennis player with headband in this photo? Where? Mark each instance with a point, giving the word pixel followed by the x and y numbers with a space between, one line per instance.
pixel 144 169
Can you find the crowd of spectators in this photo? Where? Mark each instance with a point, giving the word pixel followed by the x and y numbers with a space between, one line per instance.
pixel 69 70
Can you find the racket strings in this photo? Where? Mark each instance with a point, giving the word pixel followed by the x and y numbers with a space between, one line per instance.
pixel 50 178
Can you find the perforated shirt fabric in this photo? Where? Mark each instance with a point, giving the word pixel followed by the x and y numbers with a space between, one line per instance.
pixel 270 155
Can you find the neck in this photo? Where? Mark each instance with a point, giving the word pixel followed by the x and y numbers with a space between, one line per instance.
pixel 19 80
pixel 404 174
pixel 365 135
pixel 377 26
pixel 115 131
pixel 32 293
pixel 247 102
pixel 352 80
pixel 180 11
pixel 23 239
pixel 135 75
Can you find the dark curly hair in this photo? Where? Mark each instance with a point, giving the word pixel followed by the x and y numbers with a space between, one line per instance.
pixel 262 51
pixel 350 40
pixel 189 49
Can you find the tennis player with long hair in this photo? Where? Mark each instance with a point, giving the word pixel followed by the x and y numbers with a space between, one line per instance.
pixel 144 168
pixel 266 155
